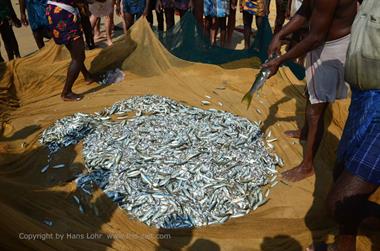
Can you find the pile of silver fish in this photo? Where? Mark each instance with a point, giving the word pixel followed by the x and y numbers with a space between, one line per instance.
pixel 170 165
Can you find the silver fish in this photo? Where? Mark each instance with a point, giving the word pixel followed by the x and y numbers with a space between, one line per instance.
pixel 261 77
pixel 176 166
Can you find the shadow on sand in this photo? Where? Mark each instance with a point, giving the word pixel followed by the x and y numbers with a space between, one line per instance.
pixel 35 202
pixel 280 242
pixel 180 238
pixel 317 219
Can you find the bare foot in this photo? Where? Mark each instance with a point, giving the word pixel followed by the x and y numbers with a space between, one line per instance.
pixel 109 42
pixel 298 134
pixel 71 97
pixel 298 173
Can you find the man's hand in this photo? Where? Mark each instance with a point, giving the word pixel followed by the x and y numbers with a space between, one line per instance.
pixel 273 66
pixel 24 20
pixel 275 45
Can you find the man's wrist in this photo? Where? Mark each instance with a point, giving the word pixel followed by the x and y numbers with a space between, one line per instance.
pixel 281 59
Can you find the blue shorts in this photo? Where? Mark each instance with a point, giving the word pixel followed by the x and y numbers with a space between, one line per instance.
pixel 134 7
pixel 359 148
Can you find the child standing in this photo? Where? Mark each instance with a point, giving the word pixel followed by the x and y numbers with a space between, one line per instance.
pixel 37 19
pixel 103 9
pixel 7 17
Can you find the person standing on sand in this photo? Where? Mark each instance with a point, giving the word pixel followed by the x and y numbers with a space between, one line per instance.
pixel 103 9
pixel 64 23
pixel 169 7
pixel 231 23
pixel 326 46
pixel 159 16
pixel 37 19
pixel 216 13
pixel 7 17
pixel 249 8
pixel 357 173
pixel 198 12
pixel 85 15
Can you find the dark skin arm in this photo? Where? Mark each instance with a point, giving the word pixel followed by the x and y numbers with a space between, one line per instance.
pixel 320 21
pixel 296 23
pixel 14 18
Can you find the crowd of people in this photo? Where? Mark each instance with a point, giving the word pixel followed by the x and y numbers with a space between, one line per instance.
pixel 212 16
pixel 65 21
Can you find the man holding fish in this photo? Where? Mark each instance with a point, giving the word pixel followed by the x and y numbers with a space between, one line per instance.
pixel 325 47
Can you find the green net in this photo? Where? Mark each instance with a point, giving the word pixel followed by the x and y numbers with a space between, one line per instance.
pixel 187 41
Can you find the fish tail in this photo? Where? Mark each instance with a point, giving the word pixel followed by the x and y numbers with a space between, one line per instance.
pixel 247 98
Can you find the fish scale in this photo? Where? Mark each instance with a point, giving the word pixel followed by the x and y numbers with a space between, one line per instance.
pixel 171 166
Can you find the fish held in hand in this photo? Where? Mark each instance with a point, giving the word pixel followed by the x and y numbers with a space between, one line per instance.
pixel 261 77
pixel 259 82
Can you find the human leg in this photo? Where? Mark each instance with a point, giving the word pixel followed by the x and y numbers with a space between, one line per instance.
pixel 213 30
pixel 300 133
pixel 128 21
pixel 160 21
pixel 39 38
pixel 88 31
pixel 348 203
pixel 221 21
pixel 315 121
pixel 247 21
pixel 231 25
pixel 77 52
pixel 109 27
pixel 169 18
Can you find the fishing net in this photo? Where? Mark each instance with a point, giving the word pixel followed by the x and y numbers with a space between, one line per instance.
pixel 30 103
pixel 171 165
pixel 187 41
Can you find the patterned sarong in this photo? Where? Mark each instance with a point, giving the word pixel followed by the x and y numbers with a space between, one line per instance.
pixel 64 25
pixel 359 147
